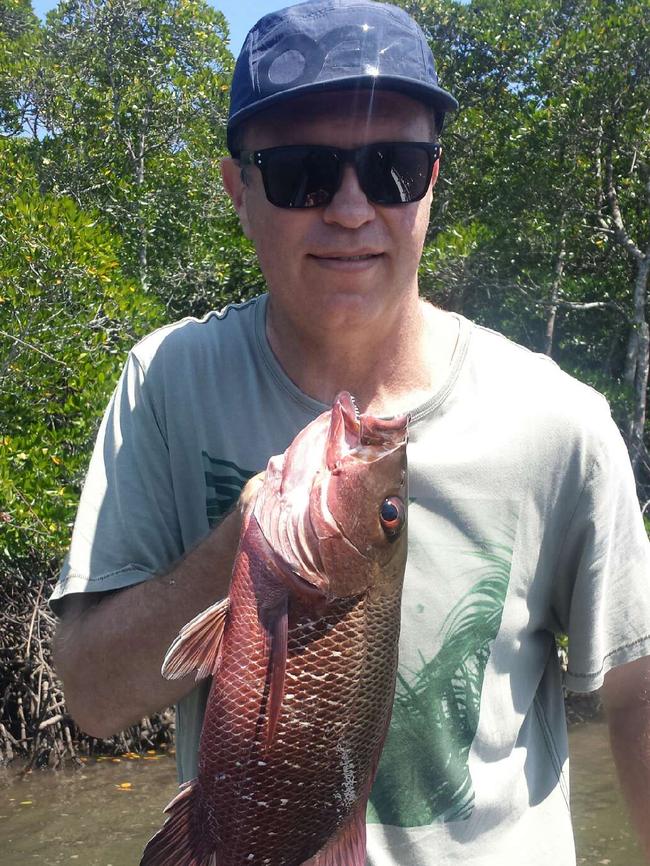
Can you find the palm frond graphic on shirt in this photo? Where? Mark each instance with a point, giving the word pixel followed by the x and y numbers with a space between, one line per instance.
pixel 423 774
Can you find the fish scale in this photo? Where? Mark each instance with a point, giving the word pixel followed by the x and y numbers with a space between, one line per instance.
pixel 304 677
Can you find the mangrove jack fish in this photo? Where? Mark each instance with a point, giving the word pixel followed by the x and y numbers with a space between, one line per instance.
pixel 303 655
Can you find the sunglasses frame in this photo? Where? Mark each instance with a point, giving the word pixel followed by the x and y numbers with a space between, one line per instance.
pixel 260 158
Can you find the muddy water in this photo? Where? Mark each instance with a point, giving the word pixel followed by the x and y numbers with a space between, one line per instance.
pixel 100 815
pixel 103 814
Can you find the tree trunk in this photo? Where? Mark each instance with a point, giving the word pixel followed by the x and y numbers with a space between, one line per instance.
pixel 631 357
pixel 638 347
pixel 142 228
pixel 558 272
pixel 640 381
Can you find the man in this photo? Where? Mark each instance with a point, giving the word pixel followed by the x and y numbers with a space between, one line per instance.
pixel 523 520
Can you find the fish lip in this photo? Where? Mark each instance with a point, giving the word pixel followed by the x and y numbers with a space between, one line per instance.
pixel 348 406
pixel 390 432
pixel 344 434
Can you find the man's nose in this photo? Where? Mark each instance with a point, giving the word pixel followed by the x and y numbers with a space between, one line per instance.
pixel 349 206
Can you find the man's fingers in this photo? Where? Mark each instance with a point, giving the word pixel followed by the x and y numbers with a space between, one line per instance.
pixel 250 490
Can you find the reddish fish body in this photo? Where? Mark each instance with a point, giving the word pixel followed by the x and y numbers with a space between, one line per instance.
pixel 305 663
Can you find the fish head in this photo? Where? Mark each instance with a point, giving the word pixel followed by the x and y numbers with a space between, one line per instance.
pixel 334 506
pixel 362 495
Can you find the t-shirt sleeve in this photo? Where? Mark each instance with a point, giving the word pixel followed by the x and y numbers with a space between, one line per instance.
pixel 127 526
pixel 605 569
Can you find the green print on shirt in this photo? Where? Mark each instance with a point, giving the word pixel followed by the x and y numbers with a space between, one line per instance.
pixel 224 482
pixel 423 773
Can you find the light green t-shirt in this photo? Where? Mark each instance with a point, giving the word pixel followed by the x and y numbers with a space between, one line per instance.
pixel 523 522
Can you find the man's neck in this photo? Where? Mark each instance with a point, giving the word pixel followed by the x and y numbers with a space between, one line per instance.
pixel 388 370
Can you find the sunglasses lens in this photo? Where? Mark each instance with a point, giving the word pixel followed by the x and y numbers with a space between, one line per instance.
pixel 395 173
pixel 301 176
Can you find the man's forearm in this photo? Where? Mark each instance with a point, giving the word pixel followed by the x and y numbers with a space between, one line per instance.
pixel 626 696
pixel 629 732
pixel 109 654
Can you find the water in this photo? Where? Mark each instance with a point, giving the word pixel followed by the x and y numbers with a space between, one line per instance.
pixel 84 816
pixel 103 814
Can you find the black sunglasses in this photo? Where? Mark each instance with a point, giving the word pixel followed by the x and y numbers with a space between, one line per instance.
pixel 306 175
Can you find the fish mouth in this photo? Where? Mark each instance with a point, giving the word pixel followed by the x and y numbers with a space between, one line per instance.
pixel 350 431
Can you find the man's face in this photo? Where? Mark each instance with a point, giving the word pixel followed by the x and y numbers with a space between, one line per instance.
pixel 350 263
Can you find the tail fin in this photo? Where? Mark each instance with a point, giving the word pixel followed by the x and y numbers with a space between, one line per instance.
pixel 173 845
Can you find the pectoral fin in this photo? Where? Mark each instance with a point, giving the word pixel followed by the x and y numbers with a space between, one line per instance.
pixel 198 644
pixel 279 628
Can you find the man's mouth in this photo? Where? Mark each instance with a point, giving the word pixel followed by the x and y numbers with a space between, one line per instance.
pixel 358 258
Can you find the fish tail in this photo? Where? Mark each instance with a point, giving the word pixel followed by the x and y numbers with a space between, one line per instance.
pixel 173 844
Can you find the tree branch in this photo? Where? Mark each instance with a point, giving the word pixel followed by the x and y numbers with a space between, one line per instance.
pixel 35 349
pixel 621 234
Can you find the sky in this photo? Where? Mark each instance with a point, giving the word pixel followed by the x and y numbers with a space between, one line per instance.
pixel 240 14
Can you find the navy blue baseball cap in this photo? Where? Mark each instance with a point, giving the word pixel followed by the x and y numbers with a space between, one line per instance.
pixel 333 45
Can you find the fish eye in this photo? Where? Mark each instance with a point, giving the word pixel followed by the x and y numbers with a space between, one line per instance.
pixel 392 515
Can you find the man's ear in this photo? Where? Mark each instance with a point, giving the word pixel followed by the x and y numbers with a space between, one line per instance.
pixel 236 188
pixel 436 171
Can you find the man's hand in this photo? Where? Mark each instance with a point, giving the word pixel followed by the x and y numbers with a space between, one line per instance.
pixel 626 696
pixel 109 647
pixel 249 493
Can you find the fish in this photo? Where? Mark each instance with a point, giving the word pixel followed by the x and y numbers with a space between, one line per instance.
pixel 303 656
